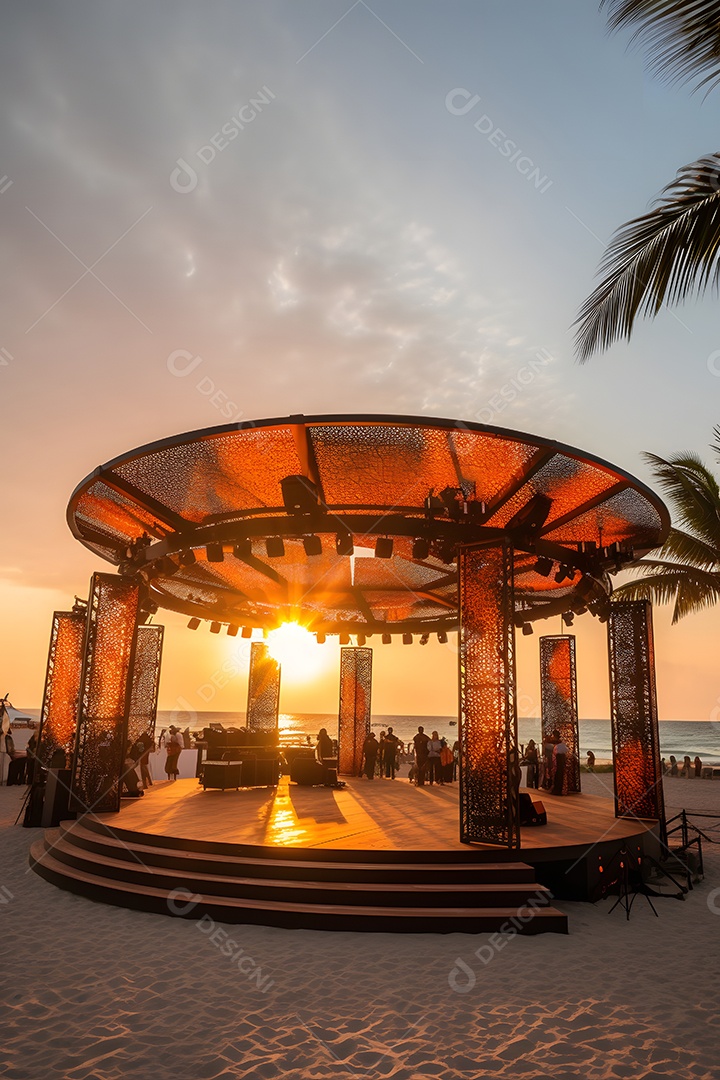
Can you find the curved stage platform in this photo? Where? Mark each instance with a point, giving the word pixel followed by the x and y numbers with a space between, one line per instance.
pixel 375 856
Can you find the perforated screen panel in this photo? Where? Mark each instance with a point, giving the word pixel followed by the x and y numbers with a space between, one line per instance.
pixel 263 689
pixel 104 694
pixel 355 697
pixel 58 719
pixel 145 682
pixel 558 694
pixel 489 803
pixel 633 708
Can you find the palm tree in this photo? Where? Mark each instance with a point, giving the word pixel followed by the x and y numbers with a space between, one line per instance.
pixel 686 569
pixel 674 249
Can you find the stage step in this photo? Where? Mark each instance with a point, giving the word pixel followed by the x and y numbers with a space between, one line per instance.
pixel 94 836
pixel 93 860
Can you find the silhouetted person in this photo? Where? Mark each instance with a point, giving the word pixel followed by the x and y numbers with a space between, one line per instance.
pixel 18 761
pixel 325 754
pixel 433 759
pixel 560 753
pixel 698 765
pixel 532 762
pixel 390 751
pixel 420 742
pixel 370 753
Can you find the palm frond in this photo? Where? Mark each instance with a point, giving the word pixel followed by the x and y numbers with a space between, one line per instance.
pixel 681 547
pixel 691 589
pixel 682 36
pixel 658 258
pixel 716 445
pixel 693 491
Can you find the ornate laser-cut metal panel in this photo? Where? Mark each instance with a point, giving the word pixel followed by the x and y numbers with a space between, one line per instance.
pixel 558 697
pixel 58 720
pixel 633 708
pixel 355 697
pixel 105 693
pixel 263 689
pixel 489 804
pixel 145 682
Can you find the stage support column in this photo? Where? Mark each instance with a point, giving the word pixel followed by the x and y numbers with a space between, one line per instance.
pixel 633 709
pixel 489 802
pixel 105 686
pixel 58 719
pixel 354 719
pixel 263 689
pixel 145 682
pixel 558 702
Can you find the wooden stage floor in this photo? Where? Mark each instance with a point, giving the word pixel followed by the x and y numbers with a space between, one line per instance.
pixel 381 815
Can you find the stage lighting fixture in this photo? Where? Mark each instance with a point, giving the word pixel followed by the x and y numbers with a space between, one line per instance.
pixel 360 640
pixel 300 495
pixel 344 543
pixel 564 572
pixel 344 639
pixel 420 548
pixel 447 553
pixel 532 516
pixel 407 639
pixel 387 639
pixel 233 630
pixel 215 627
pixel 246 632
pixel 167 566
pixel 442 637
pixel 320 638
pixel 527 629
pixel 543 566
pixel 275 547
pixel 312 545
pixel 193 624
pixel 243 548
pixel 383 547
pixel 424 638
pixel 187 558
pixel 215 552
pixel 568 618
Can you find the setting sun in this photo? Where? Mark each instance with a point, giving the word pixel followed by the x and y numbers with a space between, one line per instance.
pixel 298 653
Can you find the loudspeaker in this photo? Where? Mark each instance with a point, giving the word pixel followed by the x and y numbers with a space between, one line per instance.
pixel 532 811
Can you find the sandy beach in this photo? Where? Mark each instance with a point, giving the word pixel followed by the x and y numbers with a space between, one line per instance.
pixel 93 992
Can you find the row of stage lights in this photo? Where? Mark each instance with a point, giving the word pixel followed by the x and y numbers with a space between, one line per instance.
pixel 321 638
pixel 275 548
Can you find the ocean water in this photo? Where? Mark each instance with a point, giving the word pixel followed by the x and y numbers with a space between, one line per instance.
pixel 678 737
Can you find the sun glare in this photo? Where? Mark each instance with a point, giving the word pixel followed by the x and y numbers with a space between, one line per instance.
pixel 298 653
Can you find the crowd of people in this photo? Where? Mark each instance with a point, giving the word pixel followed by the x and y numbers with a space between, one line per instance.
pixel 687 769
pixel 546 769
pixel 431 759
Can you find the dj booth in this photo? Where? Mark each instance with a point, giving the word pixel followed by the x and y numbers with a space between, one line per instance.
pixel 236 758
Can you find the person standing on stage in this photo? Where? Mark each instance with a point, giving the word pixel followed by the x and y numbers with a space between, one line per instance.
pixel 370 753
pixel 421 743
pixel 433 759
pixel 390 752
pixel 548 760
pixel 560 753
pixel 531 760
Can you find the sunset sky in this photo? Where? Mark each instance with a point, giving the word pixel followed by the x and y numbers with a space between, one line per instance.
pixel 327 206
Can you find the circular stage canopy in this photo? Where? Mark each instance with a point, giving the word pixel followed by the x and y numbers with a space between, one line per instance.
pixel 353 523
